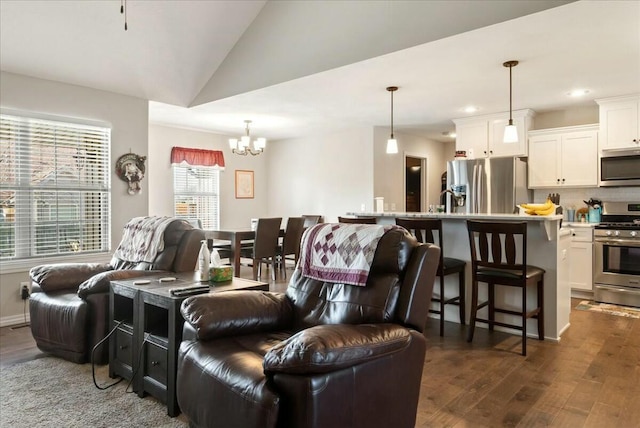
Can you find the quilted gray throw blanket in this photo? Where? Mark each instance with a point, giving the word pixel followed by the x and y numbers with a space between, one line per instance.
pixel 143 239
pixel 340 253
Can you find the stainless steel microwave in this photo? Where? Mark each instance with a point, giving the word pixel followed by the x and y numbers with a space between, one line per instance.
pixel 620 168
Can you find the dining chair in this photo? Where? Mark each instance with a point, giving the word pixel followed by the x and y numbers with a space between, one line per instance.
pixel 291 243
pixel 430 231
pixel 311 220
pixel 358 220
pixel 265 246
pixel 499 257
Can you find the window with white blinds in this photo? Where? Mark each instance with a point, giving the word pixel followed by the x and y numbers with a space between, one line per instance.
pixel 196 193
pixel 54 188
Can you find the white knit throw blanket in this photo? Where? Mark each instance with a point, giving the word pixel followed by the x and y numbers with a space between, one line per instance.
pixel 143 239
pixel 340 252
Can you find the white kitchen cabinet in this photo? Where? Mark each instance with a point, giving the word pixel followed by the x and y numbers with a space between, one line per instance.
pixel 620 122
pixel 581 259
pixel 563 157
pixel 481 136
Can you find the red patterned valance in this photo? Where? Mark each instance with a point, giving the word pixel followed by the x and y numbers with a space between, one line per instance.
pixel 197 157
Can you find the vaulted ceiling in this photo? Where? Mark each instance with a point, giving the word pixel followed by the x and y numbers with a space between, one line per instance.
pixel 300 67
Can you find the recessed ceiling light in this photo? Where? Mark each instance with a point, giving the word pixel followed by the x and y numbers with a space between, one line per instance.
pixel 470 109
pixel 578 92
pixel 449 134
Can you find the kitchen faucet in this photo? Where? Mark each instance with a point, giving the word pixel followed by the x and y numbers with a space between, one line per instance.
pixel 458 198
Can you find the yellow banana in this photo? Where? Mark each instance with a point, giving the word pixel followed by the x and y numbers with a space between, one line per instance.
pixel 537 209
pixel 550 210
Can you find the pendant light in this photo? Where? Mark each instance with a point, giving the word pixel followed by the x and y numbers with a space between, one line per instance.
pixel 392 143
pixel 510 131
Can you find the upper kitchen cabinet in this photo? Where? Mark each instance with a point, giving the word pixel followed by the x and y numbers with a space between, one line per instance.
pixel 563 157
pixel 620 122
pixel 481 136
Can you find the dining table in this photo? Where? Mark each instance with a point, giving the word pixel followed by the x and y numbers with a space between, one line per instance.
pixel 236 237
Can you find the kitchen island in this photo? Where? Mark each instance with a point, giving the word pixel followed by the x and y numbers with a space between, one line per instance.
pixel 547 248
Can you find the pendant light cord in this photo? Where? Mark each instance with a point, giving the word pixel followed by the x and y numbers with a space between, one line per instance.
pixel 123 10
pixel 392 89
pixel 391 114
pixel 510 64
pixel 510 97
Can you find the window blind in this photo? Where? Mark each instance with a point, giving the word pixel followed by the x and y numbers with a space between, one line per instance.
pixel 54 188
pixel 197 194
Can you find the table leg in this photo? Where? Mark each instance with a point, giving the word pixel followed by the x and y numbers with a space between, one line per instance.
pixel 236 244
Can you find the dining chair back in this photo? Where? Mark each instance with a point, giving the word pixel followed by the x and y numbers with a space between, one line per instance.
pixel 265 245
pixel 499 257
pixel 358 220
pixel 430 231
pixel 291 242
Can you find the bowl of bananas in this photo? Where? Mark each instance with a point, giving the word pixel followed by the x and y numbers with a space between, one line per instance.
pixel 548 208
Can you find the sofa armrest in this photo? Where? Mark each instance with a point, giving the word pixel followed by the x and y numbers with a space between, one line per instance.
pixel 236 312
pixel 99 283
pixel 330 347
pixel 64 276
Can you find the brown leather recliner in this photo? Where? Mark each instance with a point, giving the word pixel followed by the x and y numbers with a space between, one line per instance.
pixel 69 304
pixel 319 355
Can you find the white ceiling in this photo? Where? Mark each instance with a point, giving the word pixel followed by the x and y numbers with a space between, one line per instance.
pixel 237 60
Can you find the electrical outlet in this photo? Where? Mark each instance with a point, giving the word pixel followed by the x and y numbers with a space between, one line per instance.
pixel 25 290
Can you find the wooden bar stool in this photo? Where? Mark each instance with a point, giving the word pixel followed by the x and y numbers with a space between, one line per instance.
pixel 494 260
pixel 423 230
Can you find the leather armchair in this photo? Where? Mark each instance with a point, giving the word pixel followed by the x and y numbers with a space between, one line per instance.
pixel 69 304
pixel 321 354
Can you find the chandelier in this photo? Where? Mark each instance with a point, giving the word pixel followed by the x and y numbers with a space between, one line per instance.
pixel 242 146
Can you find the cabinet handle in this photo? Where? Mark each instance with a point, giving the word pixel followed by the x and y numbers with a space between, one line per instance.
pixel 558 181
pixel 563 180
pixel 155 363
pixel 123 347
pixel 490 151
pixel 485 152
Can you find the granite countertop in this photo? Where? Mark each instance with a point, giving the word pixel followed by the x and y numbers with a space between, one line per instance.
pixel 578 224
pixel 456 216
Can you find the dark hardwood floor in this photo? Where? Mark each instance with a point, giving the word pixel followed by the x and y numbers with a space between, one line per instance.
pixel 590 379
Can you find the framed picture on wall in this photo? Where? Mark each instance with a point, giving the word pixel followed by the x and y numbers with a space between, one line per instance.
pixel 244 184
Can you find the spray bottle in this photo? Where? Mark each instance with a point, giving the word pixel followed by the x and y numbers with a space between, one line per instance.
pixel 204 261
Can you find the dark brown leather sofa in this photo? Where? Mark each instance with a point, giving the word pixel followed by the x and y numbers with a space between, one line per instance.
pixel 323 355
pixel 69 304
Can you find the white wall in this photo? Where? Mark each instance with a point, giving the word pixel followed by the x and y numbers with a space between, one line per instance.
pixel 234 213
pixel 389 169
pixel 581 115
pixel 324 174
pixel 128 117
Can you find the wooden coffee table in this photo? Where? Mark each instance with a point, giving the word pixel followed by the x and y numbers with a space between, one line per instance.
pixel 144 346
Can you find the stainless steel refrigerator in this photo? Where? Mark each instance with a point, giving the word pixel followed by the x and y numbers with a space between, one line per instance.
pixel 488 185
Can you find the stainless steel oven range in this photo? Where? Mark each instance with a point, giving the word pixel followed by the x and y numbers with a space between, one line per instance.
pixel 617 254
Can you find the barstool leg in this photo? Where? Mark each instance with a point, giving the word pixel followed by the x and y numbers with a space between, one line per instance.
pixel 524 320
pixel 541 311
pixel 474 309
pixel 442 305
pixel 492 307
pixel 461 299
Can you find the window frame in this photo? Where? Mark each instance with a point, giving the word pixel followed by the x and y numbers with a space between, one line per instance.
pixel 211 224
pixel 26 206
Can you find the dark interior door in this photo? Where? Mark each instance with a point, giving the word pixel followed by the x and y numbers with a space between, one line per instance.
pixel 413 184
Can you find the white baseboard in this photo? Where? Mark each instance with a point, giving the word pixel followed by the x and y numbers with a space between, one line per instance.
pixel 13 320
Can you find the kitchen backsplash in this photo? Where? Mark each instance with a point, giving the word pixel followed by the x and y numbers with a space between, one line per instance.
pixel 576 197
